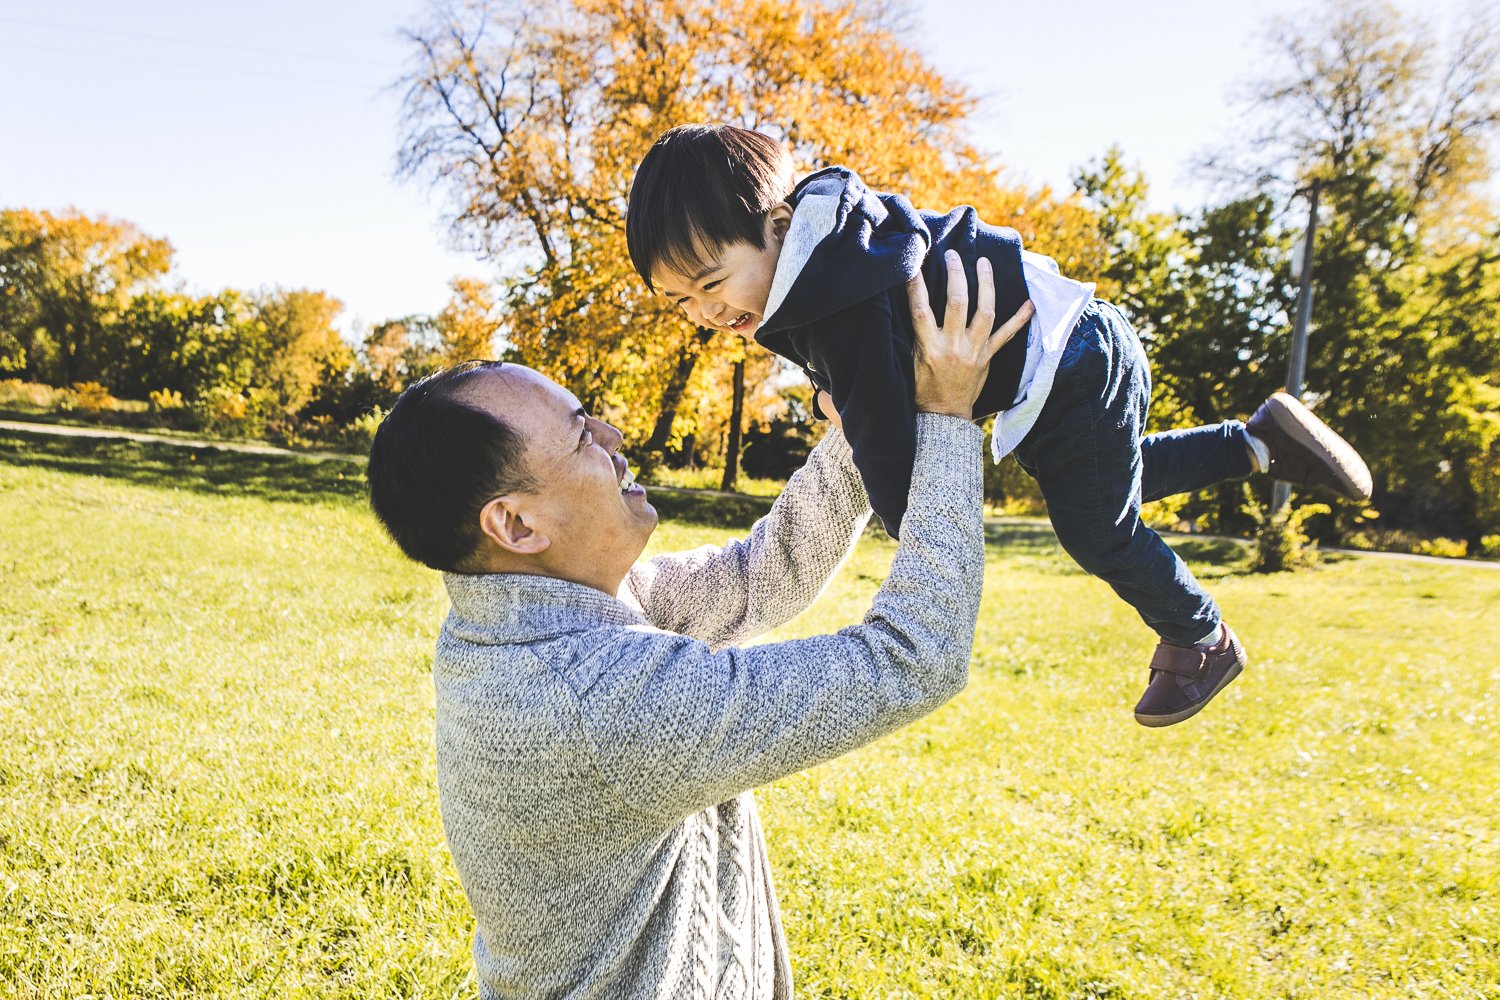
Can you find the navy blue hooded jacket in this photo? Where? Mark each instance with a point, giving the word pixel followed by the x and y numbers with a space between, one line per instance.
pixel 847 322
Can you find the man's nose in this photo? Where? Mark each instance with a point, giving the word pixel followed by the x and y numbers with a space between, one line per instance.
pixel 613 439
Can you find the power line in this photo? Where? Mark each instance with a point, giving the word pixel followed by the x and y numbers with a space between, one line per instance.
pixel 197 67
pixel 195 43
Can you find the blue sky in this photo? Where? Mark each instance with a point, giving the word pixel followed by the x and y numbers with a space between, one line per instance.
pixel 261 139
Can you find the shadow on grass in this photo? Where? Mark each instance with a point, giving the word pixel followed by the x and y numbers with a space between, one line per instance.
pixel 207 470
pixel 1022 537
pixel 300 479
pixel 1037 538
pixel 714 509
pixel 1224 552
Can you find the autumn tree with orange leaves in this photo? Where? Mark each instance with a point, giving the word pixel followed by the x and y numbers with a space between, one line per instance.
pixel 530 118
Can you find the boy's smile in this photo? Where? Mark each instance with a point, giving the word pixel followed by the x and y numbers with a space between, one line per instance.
pixel 728 289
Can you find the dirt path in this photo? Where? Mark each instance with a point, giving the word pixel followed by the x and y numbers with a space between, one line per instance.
pixel 69 430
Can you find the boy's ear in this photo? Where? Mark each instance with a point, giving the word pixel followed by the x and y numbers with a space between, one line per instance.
pixel 778 220
pixel 503 522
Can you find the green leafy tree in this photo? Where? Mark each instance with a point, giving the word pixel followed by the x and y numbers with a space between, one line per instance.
pixel 186 344
pixel 64 280
pixel 1397 130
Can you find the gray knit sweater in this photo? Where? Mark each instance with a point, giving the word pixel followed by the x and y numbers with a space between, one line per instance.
pixel 595 754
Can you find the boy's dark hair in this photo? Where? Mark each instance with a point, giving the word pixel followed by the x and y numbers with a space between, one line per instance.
pixel 700 188
pixel 435 462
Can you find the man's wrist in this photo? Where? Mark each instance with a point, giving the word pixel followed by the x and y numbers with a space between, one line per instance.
pixel 946 425
pixel 943 411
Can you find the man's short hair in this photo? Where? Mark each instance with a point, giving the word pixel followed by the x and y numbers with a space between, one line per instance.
pixel 701 188
pixel 436 461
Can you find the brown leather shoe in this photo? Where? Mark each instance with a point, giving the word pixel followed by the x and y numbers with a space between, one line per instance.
pixel 1307 452
pixel 1185 678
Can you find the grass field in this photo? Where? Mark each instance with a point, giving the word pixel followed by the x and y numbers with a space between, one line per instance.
pixel 216 768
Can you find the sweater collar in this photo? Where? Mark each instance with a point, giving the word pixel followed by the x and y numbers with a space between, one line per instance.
pixel 517 607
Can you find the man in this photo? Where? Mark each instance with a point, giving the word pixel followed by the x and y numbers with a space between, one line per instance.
pixel 598 734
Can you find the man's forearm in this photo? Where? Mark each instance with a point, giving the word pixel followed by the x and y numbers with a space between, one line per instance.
pixel 749 586
pixel 683 727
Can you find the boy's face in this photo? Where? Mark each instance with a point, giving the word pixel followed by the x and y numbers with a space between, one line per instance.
pixel 728 290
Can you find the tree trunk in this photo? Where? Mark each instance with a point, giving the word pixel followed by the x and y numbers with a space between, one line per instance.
pixel 736 418
pixel 687 360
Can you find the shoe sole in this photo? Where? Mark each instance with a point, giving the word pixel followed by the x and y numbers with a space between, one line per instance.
pixel 1302 426
pixel 1158 721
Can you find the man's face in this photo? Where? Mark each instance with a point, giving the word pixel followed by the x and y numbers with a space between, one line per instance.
pixel 595 518
pixel 728 291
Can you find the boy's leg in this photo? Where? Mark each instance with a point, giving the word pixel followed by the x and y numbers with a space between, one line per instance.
pixel 1284 437
pixel 1193 458
pixel 1085 453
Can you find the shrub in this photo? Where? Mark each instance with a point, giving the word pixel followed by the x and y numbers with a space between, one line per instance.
pixel 166 400
pixel 91 397
pixel 1166 514
pixel 1281 543
pixel 227 412
pixel 360 431
pixel 1489 547
pixel 14 391
pixel 1394 540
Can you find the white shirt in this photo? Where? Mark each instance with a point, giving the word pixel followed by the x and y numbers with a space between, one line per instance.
pixel 1058 302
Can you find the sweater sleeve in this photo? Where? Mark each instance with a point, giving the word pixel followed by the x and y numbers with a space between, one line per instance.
pixel 723 595
pixel 869 373
pixel 676 727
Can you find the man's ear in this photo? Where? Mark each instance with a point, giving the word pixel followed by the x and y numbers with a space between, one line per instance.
pixel 778 220
pixel 504 523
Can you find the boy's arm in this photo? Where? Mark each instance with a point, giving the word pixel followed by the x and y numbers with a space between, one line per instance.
pixel 866 363
pixel 749 586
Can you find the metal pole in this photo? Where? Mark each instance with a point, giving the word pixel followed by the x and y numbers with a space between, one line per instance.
pixel 1296 366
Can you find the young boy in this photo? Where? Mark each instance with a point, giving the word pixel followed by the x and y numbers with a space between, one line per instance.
pixel 817 272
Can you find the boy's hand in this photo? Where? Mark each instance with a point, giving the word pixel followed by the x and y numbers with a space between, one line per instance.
pixel 952 360
pixel 825 403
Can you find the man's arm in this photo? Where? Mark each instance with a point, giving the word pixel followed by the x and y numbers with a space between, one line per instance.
pixel 676 727
pixel 749 586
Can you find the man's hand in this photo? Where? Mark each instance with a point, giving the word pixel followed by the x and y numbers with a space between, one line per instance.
pixel 953 360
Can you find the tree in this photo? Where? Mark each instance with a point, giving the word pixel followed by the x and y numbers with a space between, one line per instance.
pixel 64 280
pixel 532 119
pixel 300 346
pixel 185 344
pixel 736 429
pixel 468 324
pixel 401 351
pixel 1403 354
pixel 1398 130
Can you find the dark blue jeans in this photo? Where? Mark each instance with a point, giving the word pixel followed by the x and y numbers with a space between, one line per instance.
pixel 1094 470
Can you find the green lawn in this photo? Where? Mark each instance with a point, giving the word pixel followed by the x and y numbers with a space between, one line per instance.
pixel 216 774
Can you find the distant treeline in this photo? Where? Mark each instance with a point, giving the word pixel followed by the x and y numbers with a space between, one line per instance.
pixel 530 123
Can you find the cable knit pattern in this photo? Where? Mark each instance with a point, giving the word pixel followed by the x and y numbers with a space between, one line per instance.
pixel 595 753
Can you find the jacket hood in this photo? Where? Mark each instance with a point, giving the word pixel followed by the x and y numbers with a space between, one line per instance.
pixel 845 244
